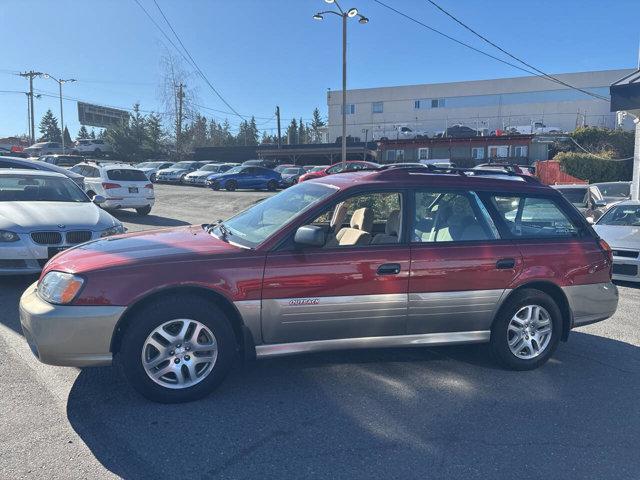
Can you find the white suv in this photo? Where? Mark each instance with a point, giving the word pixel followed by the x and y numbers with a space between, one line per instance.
pixel 121 185
pixel 92 145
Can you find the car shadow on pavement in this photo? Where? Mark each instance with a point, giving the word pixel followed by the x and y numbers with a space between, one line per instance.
pixel 152 220
pixel 444 412
pixel 11 288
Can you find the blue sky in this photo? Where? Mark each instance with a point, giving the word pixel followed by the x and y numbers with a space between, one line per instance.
pixel 262 53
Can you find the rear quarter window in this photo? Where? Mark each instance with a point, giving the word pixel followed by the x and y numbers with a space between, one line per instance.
pixel 533 217
pixel 124 174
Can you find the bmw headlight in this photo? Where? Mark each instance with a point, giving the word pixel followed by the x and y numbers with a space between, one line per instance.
pixel 7 236
pixel 115 230
pixel 60 287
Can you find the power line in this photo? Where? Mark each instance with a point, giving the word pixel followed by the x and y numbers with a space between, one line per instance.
pixel 471 47
pixel 485 39
pixel 193 62
pixel 596 156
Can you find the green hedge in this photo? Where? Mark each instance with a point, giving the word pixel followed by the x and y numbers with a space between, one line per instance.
pixel 594 169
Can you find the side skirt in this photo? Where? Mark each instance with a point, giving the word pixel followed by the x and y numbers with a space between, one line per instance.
pixel 425 339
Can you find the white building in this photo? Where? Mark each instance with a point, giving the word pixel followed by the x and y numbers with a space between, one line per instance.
pixel 480 104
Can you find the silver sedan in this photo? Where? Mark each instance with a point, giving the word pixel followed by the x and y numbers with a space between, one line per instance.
pixel 43 213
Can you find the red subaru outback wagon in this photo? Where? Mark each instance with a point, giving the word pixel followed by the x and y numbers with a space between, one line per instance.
pixel 385 258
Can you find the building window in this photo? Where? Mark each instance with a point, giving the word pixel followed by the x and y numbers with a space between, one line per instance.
pixel 520 151
pixel 395 156
pixel 429 103
pixel 416 104
pixel 376 107
pixel 437 103
pixel 350 108
pixel 499 151
pixel 423 154
pixel 477 153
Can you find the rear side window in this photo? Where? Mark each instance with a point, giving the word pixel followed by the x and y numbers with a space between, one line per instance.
pixel 124 174
pixel 534 217
pixel 451 217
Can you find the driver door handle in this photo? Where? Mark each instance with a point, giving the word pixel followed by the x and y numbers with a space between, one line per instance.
pixel 389 269
pixel 506 263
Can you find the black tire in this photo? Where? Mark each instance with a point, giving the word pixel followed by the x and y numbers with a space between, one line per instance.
pixel 215 186
pixel 499 331
pixel 173 307
pixel 272 185
pixel 144 210
pixel 231 185
pixel 152 178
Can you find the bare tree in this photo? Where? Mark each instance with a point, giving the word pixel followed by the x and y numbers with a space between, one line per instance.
pixel 175 82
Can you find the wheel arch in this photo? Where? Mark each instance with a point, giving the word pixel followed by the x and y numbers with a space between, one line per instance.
pixel 558 296
pixel 239 329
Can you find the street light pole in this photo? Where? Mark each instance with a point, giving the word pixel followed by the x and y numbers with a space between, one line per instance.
pixel 352 12
pixel 60 82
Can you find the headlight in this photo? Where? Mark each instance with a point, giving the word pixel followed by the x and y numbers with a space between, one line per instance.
pixel 118 229
pixel 6 236
pixel 59 287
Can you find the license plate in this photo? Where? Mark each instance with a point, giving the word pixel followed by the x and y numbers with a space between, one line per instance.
pixel 133 189
pixel 52 251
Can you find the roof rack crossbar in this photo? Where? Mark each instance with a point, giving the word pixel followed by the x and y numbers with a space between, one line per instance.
pixel 465 172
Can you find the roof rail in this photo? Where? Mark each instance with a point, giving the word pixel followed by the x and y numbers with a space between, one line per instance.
pixel 465 172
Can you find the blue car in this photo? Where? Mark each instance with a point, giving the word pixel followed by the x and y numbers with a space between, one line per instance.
pixel 249 176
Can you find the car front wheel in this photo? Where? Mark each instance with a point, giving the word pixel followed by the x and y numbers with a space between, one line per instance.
pixel 272 185
pixel 231 186
pixel 526 331
pixel 177 349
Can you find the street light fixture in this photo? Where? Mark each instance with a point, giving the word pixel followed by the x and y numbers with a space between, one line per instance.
pixel 60 82
pixel 351 13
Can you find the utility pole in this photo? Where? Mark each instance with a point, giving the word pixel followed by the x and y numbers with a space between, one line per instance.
pixel 279 137
pixel 179 119
pixel 28 113
pixel 30 75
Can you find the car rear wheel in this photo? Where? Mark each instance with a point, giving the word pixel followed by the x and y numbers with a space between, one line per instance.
pixel 144 210
pixel 231 185
pixel 526 331
pixel 152 178
pixel 272 185
pixel 178 349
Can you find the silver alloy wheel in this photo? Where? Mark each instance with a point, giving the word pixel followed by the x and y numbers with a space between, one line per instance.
pixel 179 353
pixel 529 332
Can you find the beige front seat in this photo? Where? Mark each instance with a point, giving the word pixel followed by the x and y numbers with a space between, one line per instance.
pixel 391 230
pixel 359 232
pixel 335 225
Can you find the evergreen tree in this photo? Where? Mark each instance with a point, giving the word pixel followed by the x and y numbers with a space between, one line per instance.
pixel 225 132
pixel 153 134
pixel 67 138
pixel 252 132
pixel 302 132
pixel 93 133
pixel 292 132
pixel 199 132
pixel 83 133
pixel 316 124
pixel 137 124
pixel 49 128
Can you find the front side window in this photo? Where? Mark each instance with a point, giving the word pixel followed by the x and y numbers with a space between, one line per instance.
pixel 253 226
pixel 577 196
pixel 451 217
pixel 377 107
pixel 362 220
pixel 533 217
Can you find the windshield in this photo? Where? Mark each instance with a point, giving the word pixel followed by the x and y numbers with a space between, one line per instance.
pixel 574 195
pixel 210 168
pixel 291 171
pixel 253 226
pixel 618 190
pixel 34 188
pixel 234 170
pixel 317 169
pixel 181 165
pixel 622 215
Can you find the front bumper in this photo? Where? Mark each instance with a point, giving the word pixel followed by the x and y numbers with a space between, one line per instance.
pixel 25 257
pixel 591 303
pixel 168 178
pixel 626 268
pixel 68 335
pixel 199 181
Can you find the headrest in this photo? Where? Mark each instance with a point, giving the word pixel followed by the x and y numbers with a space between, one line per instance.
pixel 393 223
pixel 339 214
pixel 362 219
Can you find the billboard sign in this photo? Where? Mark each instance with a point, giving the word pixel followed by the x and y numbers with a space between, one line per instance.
pixel 97 116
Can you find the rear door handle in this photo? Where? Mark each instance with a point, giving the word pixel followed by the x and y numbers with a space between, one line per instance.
pixel 389 269
pixel 506 263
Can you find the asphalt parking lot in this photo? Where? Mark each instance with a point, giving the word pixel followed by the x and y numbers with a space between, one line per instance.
pixel 397 413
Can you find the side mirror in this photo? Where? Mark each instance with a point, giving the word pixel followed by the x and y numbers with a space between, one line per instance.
pixel 310 235
pixel 590 220
pixel 600 203
pixel 98 199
